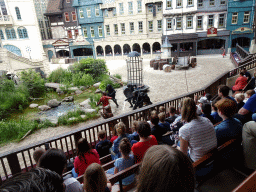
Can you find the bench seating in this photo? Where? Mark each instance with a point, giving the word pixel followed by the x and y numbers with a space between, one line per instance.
pixel 248 184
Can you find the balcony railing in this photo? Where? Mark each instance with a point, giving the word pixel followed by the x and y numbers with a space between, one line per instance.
pixel 6 20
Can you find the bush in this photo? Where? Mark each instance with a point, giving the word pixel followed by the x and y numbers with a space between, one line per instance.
pixel 94 99
pixel 34 83
pixel 107 81
pixel 60 76
pixel 118 76
pixel 80 79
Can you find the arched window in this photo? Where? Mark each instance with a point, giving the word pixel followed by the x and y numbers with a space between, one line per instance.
pixel 10 33
pixel 1 34
pixel 18 13
pixel 23 34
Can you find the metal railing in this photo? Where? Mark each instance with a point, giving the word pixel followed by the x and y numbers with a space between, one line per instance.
pixel 20 159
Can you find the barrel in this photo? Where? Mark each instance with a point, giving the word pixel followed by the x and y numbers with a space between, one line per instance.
pixel 167 68
pixel 161 64
pixel 155 65
pixel 152 62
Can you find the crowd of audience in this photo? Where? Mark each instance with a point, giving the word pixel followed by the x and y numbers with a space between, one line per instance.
pixel 166 145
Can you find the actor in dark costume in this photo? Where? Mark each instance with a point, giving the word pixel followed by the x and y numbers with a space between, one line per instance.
pixel 111 93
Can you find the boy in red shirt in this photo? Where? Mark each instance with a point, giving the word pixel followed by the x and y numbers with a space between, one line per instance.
pixel 106 107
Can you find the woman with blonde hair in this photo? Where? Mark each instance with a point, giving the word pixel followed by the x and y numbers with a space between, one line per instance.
pixel 95 179
pixel 197 134
pixel 165 169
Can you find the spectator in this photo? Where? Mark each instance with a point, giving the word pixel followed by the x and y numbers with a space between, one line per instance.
pixel 173 115
pixel 197 134
pixel 249 143
pixel 249 108
pixel 135 136
pixel 103 145
pixel 223 92
pixel 114 133
pixel 156 130
pixel 206 112
pixel 240 83
pixel 165 169
pixel 239 99
pixel 56 160
pixel 162 109
pixel 247 74
pixel 162 123
pixel 248 94
pixel 37 154
pixel 36 180
pixel 121 134
pixel 230 127
pixel 146 141
pixel 200 102
pixel 214 113
pixel 85 156
pixel 95 179
pixel 153 114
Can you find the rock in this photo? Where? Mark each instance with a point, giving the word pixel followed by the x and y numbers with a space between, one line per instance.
pixel 88 110
pixel 89 91
pixel 83 116
pixel 68 99
pixel 44 107
pixel 53 103
pixel 59 91
pixel 78 92
pixel 72 119
pixel 33 105
pixel 73 88
pixel 72 93
pixel 96 84
pixel 98 91
pixel 85 103
pixel 82 88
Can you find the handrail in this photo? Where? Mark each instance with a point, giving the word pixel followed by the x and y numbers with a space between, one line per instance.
pixel 14 161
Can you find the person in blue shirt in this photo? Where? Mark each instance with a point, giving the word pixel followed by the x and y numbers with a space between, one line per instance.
pixel 103 146
pixel 214 113
pixel 230 127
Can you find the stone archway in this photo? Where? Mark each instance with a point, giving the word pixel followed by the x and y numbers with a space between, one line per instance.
pixel 99 51
pixel 146 48
pixel 117 50
pixel 156 47
pixel 136 47
pixel 126 49
pixel 108 50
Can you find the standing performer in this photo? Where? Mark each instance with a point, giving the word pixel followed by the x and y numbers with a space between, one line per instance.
pixel 106 107
pixel 111 93
pixel 224 51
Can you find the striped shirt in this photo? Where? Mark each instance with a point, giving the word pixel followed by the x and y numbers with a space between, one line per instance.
pixel 200 135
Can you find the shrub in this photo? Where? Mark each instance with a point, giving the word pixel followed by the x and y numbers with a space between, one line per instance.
pixel 107 81
pixel 60 76
pixel 118 76
pixel 94 99
pixel 80 79
pixel 34 82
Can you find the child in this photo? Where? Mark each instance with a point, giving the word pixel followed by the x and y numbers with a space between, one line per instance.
pixel 104 145
pixel 114 133
pixel 37 154
pixel 248 94
pixel 239 97
pixel 135 135
pixel 214 113
pixel 173 115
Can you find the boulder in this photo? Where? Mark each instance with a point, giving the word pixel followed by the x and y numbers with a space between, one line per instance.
pixel 68 99
pixel 82 88
pixel 53 103
pixel 72 119
pixel 73 88
pixel 33 105
pixel 85 103
pixel 88 110
pixel 59 91
pixel 77 92
pixel 96 84
pixel 98 91
pixel 44 107
pixel 83 116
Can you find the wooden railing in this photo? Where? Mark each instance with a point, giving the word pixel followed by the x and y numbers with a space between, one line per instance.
pixel 20 159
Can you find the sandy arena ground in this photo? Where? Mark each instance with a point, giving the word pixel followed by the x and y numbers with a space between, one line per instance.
pixel 162 85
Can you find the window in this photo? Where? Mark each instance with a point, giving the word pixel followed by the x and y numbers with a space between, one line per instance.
pixel 85 32
pixel 18 13
pixel 122 28
pixel 190 2
pixel 116 29
pixel 121 8
pixel 10 33
pixel 200 3
pixel 92 32
pixel 210 21
pixel 159 25
pixel 130 8
pixel 150 26
pixel 1 34
pixel 73 15
pixel 140 24
pixel 97 11
pixel 22 32
pixel 100 31
pixel 131 27
pixel 159 7
pixel 69 34
pixel 189 22
pixel 221 20
pixel 68 1
pixel 66 17
pixel 234 18
pixel 246 17
pixel 106 13
pixel 200 22
pixel 169 24
pixel 179 3
pixel 114 12
pixel 212 2
pixel 81 13
pixel 139 8
pixel 179 23
pixel 88 10
pixel 107 30
pixel 76 33
pixel 150 8
pixel 222 2
pixel 168 4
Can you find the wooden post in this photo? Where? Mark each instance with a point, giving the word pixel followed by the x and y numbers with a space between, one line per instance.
pixel 14 163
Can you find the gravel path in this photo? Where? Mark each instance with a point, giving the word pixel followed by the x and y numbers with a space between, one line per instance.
pixel 162 86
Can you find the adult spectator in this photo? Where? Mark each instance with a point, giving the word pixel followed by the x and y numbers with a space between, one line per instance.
pixel 146 141
pixel 230 127
pixel 223 92
pixel 36 180
pixel 85 156
pixel 249 143
pixel 206 112
pixel 157 130
pixel 240 83
pixel 248 109
pixel 200 103
pixel 197 134
pixel 173 115
pixel 247 74
pixel 95 179
pixel 165 169
pixel 153 114
pixel 103 145
pixel 214 113
pixel 56 160
pixel 37 154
